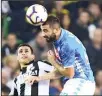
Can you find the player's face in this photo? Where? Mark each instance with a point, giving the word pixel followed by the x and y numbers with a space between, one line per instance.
pixel 48 33
pixel 24 55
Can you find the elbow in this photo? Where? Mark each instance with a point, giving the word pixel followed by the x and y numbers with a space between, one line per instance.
pixel 69 72
pixel 71 75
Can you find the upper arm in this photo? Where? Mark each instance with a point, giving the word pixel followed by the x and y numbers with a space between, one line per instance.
pixel 67 55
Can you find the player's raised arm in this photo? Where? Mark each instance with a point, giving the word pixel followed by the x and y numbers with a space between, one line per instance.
pixel 52 75
pixel 68 61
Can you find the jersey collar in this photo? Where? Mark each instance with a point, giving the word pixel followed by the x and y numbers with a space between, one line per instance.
pixel 24 68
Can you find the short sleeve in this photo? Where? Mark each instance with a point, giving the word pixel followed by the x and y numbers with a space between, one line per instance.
pixel 67 55
pixel 46 66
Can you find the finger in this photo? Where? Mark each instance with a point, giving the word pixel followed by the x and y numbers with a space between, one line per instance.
pixel 32 82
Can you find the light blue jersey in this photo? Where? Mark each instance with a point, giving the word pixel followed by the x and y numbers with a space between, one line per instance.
pixel 71 52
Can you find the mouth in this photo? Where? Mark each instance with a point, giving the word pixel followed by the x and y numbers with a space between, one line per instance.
pixel 24 57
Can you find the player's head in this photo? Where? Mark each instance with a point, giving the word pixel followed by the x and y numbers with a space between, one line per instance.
pixel 50 28
pixel 25 54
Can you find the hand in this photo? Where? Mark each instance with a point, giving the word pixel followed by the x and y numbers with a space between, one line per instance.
pixel 51 56
pixel 31 79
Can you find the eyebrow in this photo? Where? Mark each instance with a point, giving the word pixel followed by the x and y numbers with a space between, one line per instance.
pixel 26 49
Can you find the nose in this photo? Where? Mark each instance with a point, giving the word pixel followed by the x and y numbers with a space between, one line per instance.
pixel 23 53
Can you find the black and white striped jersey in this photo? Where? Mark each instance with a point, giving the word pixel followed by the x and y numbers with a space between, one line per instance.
pixel 40 88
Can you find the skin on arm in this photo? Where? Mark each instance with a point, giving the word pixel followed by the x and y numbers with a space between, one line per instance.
pixel 68 72
pixel 52 75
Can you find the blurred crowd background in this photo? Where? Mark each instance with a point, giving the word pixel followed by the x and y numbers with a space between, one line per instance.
pixel 82 18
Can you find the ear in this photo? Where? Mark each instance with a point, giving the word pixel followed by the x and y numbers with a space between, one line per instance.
pixel 55 30
pixel 32 57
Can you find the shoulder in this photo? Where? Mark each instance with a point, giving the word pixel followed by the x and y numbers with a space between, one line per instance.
pixel 44 62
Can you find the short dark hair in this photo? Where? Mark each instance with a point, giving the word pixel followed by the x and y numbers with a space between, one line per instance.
pixel 27 45
pixel 52 20
pixel 12 34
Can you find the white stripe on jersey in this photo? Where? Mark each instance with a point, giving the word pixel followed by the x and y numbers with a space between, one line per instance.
pixel 38 69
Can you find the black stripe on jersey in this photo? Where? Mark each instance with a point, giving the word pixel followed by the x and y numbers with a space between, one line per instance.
pixel 15 92
pixel 22 86
pixel 46 71
pixel 15 81
pixel 34 89
pixel 22 89
pixel 24 70
pixel 46 62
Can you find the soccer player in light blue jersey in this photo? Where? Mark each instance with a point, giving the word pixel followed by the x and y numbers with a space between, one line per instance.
pixel 69 59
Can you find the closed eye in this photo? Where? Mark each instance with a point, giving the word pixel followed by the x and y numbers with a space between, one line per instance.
pixel 45 30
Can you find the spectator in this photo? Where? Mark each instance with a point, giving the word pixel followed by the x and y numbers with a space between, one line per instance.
pixel 100 22
pixel 59 6
pixel 80 28
pixel 5 7
pixel 11 62
pixel 93 26
pixel 5 90
pixel 98 90
pixel 39 45
pixel 94 50
pixel 11 46
pixel 3 41
pixel 6 72
pixel 7 76
pixel 95 10
pixel 65 21
pixel 59 9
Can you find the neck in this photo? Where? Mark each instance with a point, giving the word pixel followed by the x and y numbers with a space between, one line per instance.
pixel 26 64
pixel 58 34
pixel 23 65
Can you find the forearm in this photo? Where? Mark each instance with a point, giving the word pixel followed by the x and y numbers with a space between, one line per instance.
pixel 64 71
pixel 53 75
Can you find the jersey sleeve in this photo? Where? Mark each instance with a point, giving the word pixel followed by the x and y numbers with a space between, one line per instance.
pixel 14 89
pixel 46 66
pixel 67 55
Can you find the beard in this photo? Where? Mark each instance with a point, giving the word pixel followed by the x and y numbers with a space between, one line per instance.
pixel 51 38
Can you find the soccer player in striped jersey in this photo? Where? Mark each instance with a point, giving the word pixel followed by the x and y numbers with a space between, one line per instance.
pixel 30 67
pixel 71 60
